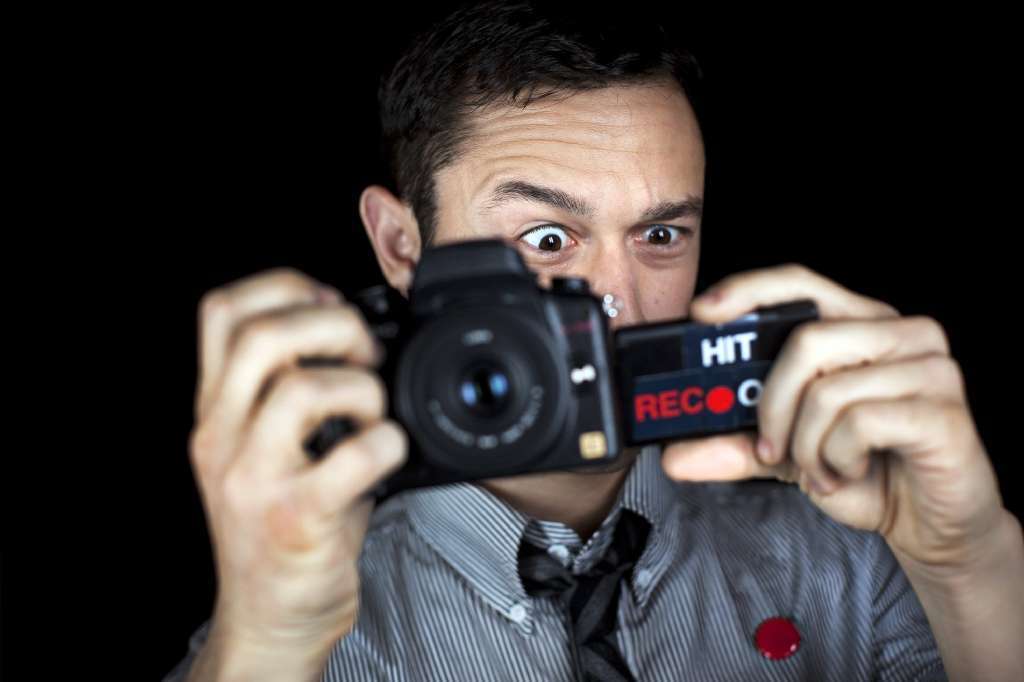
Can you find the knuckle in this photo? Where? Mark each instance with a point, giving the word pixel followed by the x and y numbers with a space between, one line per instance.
pixel 861 417
pixel 797 270
pixel 213 304
pixel 345 315
pixel 945 371
pixel 933 330
pixel 351 316
pixel 887 310
pixel 824 394
pixel 256 335
pixel 291 278
pixel 354 326
pixel 957 424
pixel 296 386
pixel 201 447
pixel 805 337
pixel 400 437
pixel 200 440
pixel 285 273
pixel 378 392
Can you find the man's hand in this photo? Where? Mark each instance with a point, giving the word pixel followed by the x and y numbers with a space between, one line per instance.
pixel 286 532
pixel 866 410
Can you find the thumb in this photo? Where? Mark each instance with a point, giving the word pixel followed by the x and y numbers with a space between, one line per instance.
pixel 729 457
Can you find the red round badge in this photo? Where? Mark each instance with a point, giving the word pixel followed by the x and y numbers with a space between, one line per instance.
pixel 777 638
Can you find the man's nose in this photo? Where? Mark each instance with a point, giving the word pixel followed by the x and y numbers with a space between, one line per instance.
pixel 621 311
pixel 612 278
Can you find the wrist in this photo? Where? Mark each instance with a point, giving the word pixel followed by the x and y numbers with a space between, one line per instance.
pixel 976 608
pixel 251 664
pixel 1000 553
pixel 232 654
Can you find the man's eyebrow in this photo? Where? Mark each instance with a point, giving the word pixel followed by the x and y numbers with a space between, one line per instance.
pixel 690 207
pixel 519 189
pixel 511 190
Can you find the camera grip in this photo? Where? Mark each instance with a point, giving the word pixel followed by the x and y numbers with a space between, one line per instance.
pixel 331 431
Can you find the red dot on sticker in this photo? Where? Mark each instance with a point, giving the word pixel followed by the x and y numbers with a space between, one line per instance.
pixel 720 399
pixel 777 638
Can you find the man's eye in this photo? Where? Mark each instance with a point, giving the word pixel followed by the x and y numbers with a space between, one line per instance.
pixel 661 235
pixel 546 238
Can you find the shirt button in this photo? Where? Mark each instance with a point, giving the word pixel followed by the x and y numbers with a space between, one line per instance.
pixel 517 614
pixel 560 552
pixel 643 577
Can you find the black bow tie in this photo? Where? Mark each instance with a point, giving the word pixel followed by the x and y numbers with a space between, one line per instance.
pixel 590 600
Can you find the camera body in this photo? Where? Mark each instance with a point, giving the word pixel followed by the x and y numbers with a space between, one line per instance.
pixel 492 375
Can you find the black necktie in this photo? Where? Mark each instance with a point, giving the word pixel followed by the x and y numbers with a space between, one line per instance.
pixel 590 601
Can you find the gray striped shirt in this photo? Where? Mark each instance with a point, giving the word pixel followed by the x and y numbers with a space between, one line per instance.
pixel 442 599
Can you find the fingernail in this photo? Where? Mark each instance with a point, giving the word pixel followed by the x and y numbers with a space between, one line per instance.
pixel 764 450
pixel 327 295
pixel 711 296
pixel 817 486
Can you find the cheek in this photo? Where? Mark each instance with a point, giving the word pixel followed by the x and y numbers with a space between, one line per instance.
pixel 666 295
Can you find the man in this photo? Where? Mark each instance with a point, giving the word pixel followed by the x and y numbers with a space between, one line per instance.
pixel 892 558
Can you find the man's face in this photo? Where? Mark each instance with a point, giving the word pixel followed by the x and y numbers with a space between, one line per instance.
pixel 605 185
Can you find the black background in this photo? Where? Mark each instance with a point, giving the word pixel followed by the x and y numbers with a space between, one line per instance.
pixel 877 150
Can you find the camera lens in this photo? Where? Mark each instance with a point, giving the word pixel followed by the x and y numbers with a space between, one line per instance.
pixel 485 390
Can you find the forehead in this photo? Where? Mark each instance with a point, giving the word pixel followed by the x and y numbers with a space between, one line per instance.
pixel 638 141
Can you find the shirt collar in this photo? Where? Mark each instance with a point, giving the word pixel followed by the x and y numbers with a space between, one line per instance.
pixel 479 535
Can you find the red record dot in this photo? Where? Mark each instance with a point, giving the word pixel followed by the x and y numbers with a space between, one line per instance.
pixel 777 638
pixel 720 399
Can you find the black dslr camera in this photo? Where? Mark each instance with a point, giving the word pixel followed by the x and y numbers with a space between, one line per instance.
pixel 492 375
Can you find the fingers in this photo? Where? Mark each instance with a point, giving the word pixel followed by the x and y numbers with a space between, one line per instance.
pixel 299 402
pixel 816 349
pixel 286 530
pixel 728 457
pixel 740 293
pixel 250 333
pixel 222 310
pixel 353 467
pixel 274 341
pixel 732 457
pixel 932 376
pixel 912 428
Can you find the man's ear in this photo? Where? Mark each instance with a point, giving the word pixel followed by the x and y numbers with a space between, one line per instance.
pixel 394 234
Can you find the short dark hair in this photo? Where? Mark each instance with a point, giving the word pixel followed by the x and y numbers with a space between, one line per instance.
pixel 513 52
